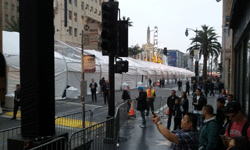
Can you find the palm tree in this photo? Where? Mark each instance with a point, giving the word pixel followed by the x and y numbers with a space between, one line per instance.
pixel 207 43
pixel 12 25
pixel 129 22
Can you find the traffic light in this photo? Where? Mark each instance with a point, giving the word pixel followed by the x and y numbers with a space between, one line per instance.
pixel 109 27
pixel 122 39
pixel 196 68
pixel 121 66
pixel 165 51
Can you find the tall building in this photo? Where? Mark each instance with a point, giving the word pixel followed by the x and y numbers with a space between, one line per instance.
pixel 10 10
pixel 175 58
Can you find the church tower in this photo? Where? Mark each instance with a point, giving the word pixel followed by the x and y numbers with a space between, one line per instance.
pixel 148 35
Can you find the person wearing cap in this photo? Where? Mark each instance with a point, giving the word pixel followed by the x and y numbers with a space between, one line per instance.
pixel 142 105
pixel 239 125
pixel 221 116
pixel 150 99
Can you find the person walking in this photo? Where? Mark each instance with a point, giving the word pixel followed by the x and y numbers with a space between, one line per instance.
pixel 186 138
pixel 93 86
pixel 184 103
pixel 221 116
pixel 206 88
pixel 220 86
pixel 194 87
pixel 17 101
pixel 126 97
pixel 223 94
pixel 163 82
pixel 171 102
pixel 211 85
pixel 150 99
pixel 105 89
pixel 177 114
pixel 142 105
pixel 101 82
pixel 150 81
pixel 209 135
pixel 179 85
pixel 199 100
pixel 187 87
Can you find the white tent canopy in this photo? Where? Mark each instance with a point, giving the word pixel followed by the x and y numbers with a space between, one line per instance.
pixel 68 67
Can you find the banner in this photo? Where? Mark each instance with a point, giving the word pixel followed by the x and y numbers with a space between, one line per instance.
pixel 89 63
pixel 90 36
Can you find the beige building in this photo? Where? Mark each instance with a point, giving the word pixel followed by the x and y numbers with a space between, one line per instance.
pixel 10 10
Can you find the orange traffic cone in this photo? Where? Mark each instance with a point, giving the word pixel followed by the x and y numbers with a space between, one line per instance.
pixel 167 113
pixel 132 111
pixel 226 91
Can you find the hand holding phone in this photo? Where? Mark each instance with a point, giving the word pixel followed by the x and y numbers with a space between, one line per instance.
pixel 154 115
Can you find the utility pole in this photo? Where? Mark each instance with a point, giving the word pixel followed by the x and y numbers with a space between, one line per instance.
pixel 83 85
pixel 224 39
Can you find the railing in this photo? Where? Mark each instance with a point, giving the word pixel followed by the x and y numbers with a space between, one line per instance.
pixel 96 137
pixel 56 144
pixel 7 133
pixel 97 114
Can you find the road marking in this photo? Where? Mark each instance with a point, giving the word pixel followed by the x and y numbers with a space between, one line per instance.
pixel 73 123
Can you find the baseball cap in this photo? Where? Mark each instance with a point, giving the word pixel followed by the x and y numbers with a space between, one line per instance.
pixel 222 100
pixel 233 107
pixel 140 88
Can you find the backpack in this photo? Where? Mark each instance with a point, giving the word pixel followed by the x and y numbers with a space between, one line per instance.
pixel 243 131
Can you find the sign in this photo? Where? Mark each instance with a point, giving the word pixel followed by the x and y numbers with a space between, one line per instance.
pixel 172 59
pixel 89 63
pixel 90 36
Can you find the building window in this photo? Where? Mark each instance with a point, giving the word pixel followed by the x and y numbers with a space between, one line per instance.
pixel 75 17
pixel 87 6
pixel 70 15
pixel 95 11
pixel 82 19
pixel 17 8
pixel 6 17
pixel 82 5
pixel 12 7
pixel 75 32
pixel 100 12
pixel 70 1
pixel 91 9
pixel 70 30
pixel 6 5
pixel 12 18
pixel 75 2
pixel 100 2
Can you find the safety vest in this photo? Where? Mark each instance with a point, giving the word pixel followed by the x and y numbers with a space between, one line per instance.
pixel 150 93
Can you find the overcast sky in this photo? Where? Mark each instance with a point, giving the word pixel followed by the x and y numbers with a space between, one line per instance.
pixel 172 18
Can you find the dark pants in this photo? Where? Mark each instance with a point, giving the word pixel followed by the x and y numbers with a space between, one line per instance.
pixel 16 106
pixel 150 105
pixel 177 123
pixel 212 92
pixel 93 93
pixel 129 105
pixel 206 92
pixel 169 119
pixel 187 91
pixel 143 117
pixel 105 98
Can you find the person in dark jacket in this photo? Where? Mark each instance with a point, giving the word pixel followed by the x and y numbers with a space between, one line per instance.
pixel 150 81
pixel 163 82
pixel 177 114
pixel 184 103
pixel 101 82
pixel 221 116
pixel 142 105
pixel 209 135
pixel 126 97
pixel 220 86
pixel 171 102
pixel 17 101
pixel 194 87
pixel 206 87
pixel 93 86
pixel 179 85
pixel 105 89
pixel 211 88
pixel 187 87
pixel 199 100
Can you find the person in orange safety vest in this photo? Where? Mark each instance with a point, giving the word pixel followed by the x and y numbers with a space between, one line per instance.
pixel 150 99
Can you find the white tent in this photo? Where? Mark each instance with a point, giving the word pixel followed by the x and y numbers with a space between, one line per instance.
pixel 68 67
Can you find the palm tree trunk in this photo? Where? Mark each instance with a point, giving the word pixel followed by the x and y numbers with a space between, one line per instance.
pixel 211 66
pixel 205 68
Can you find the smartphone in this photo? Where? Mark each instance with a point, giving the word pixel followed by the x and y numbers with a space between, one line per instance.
pixel 154 115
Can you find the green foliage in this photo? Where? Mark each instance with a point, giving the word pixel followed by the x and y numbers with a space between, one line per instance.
pixel 12 25
pixel 134 51
pixel 207 43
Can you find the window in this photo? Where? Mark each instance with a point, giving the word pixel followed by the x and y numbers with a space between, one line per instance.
pixel 82 19
pixel 12 18
pixel 70 1
pixel 91 9
pixel 82 5
pixel 6 5
pixel 100 12
pixel 17 8
pixel 87 6
pixel 75 32
pixel 70 15
pixel 70 30
pixel 6 17
pixel 75 17
pixel 75 2
pixel 12 7
pixel 100 2
pixel 95 11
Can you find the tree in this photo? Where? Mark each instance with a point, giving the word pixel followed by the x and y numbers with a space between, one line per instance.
pixel 207 43
pixel 129 22
pixel 12 25
pixel 134 50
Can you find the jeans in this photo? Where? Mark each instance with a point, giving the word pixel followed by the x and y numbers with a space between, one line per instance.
pixel 200 120
pixel 143 117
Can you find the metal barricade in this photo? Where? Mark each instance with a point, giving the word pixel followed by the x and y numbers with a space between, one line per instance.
pixel 97 114
pixel 96 137
pixel 73 122
pixel 164 107
pixel 56 144
pixel 158 103
pixel 7 133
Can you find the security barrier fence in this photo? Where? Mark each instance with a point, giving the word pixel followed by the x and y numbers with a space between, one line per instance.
pixel 56 144
pixel 5 134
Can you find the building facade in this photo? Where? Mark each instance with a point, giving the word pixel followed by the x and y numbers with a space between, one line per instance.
pixel 240 58
pixel 10 10
pixel 175 58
